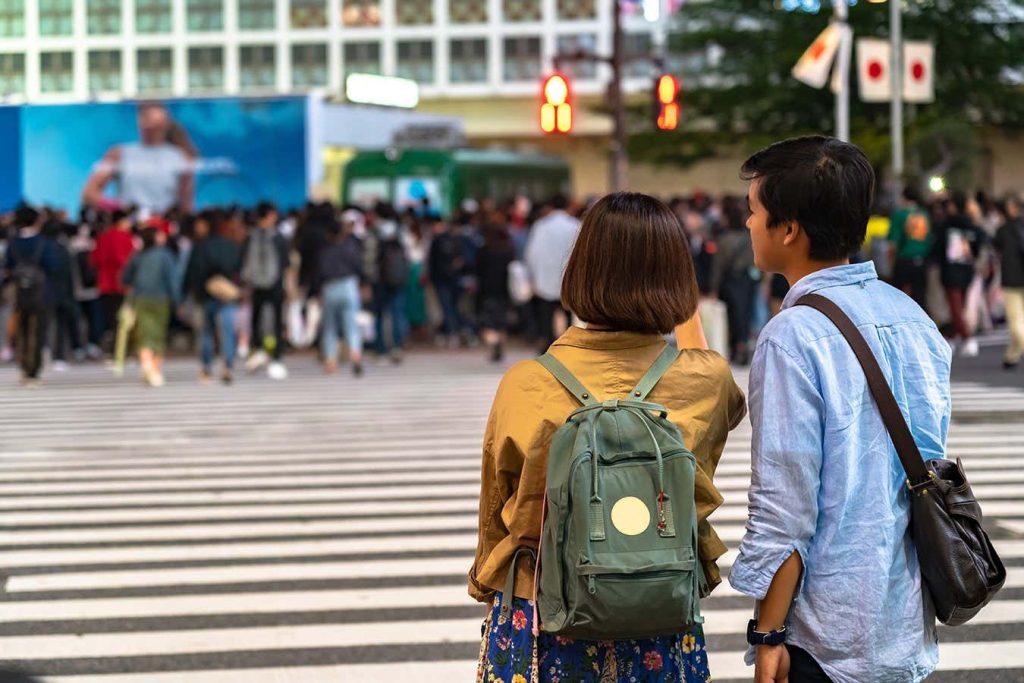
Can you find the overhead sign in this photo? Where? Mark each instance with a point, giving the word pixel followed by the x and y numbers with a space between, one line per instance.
pixel 383 91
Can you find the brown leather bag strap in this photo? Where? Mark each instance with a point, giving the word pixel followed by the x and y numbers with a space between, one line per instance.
pixel 892 416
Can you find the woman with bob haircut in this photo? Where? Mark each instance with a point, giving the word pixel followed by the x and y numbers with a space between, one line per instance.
pixel 630 280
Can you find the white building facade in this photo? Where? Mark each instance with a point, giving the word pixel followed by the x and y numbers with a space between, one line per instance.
pixel 82 50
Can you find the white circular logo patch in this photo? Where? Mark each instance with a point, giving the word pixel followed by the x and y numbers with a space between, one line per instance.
pixel 630 516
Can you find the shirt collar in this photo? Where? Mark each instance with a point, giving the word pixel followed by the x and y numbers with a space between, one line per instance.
pixel 837 276
pixel 607 340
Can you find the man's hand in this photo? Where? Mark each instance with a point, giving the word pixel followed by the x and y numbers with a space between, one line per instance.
pixel 772 664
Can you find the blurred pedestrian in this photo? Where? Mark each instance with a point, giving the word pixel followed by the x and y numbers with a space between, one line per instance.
pixel 65 315
pixel 547 251
pixel 735 279
pixel 213 276
pixel 1009 243
pixel 29 262
pixel 958 243
pixel 635 247
pixel 492 263
pixel 910 239
pixel 114 247
pixel 387 249
pixel 338 277
pixel 150 281
pixel 87 293
pixel 265 262
pixel 444 265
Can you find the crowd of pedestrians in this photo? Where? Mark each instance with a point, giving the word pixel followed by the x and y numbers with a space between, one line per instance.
pixel 248 285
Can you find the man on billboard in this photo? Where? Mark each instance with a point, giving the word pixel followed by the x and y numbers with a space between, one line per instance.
pixel 154 174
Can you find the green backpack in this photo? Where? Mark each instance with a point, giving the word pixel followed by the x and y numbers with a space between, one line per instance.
pixel 618 549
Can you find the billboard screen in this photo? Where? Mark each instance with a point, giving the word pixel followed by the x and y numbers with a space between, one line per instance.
pixel 233 151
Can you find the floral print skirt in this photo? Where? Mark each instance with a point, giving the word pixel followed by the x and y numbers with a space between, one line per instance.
pixel 507 654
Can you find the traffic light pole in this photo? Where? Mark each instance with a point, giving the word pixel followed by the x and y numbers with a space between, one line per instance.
pixel 617 170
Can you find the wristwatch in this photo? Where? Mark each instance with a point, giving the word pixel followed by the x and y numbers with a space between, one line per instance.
pixel 755 637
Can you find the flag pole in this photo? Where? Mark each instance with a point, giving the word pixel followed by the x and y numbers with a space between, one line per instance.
pixel 896 115
pixel 843 64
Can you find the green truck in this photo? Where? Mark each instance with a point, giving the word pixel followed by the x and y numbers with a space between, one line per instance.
pixel 448 177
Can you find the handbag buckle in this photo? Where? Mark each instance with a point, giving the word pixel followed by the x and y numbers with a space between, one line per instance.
pixel 929 481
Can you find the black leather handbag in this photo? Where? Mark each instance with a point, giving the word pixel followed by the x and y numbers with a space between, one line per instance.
pixel 959 566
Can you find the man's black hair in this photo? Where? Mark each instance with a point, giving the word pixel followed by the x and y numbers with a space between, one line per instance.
pixel 825 185
pixel 559 202
pixel 25 216
pixel 912 194
pixel 264 209
pixel 959 200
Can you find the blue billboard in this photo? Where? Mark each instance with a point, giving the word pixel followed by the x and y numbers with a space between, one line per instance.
pixel 236 151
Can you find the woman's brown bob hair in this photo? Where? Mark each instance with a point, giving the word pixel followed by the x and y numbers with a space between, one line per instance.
pixel 631 268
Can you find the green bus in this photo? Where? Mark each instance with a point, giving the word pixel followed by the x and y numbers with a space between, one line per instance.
pixel 448 177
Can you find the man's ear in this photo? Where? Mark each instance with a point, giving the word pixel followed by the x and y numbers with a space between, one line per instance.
pixel 793 232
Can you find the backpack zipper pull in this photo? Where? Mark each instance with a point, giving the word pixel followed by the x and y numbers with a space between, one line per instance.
pixel 662 524
pixel 591 584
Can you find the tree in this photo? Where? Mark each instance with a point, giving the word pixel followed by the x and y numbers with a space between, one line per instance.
pixel 745 92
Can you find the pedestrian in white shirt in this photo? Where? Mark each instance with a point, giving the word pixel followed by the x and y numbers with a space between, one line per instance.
pixel 547 251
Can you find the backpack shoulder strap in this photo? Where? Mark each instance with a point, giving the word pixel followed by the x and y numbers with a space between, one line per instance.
pixel 567 380
pixel 655 373
pixel 892 417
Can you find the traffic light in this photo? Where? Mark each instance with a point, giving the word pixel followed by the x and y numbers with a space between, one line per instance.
pixel 666 109
pixel 556 109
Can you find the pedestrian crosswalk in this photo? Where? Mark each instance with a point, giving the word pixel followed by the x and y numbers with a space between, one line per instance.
pixel 320 529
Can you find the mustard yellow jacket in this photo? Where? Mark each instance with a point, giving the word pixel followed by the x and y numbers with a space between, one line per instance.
pixel 698 391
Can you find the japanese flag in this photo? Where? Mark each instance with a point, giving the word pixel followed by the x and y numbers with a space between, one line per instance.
pixel 816 61
pixel 874 69
pixel 918 70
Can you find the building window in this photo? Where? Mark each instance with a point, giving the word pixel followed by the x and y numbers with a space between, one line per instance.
pixel 638 45
pixel 308 13
pixel 577 9
pixel 522 59
pixel 205 15
pixel 309 66
pixel 468 61
pixel 360 12
pixel 362 58
pixel 56 73
pixel 257 67
pixel 55 17
pixel 104 71
pixel 521 10
pixel 416 60
pixel 255 15
pixel 153 16
pixel 467 11
pixel 12 74
pixel 103 16
pixel 414 12
pixel 205 68
pixel 585 43
pixel 12 18
pixel 154 71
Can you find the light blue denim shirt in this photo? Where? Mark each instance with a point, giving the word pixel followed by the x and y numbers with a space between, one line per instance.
pixel 828 484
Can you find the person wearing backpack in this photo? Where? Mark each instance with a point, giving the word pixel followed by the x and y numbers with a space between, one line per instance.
pixel 29 262
pixel 600 454
pixel 828 551
pixel 264 264
pixel 1009 243
pixel 389 274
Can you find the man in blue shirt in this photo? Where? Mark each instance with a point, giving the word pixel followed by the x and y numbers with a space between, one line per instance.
pixel 827 550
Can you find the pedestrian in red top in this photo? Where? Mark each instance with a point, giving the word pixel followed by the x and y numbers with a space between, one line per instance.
pixel 114 248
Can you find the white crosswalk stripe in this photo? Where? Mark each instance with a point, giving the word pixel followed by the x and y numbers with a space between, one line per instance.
pixel 321 529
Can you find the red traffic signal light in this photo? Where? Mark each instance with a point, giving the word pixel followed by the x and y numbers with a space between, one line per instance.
pixel 556 109
pixel 666 90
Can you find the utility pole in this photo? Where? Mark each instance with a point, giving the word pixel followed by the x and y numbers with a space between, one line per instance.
pixel 843 66
pixel 617 169
pixel 896 113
